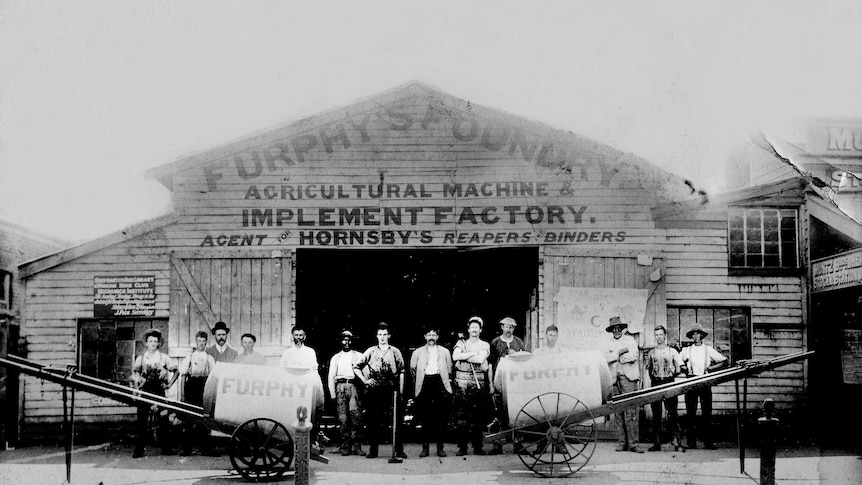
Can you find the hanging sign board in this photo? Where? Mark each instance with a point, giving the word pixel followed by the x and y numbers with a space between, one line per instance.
pixel 124 296
pixel 836 272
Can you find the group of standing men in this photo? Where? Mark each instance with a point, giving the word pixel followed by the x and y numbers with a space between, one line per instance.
pixel 442 380
pixel 460 382
pixel 664 363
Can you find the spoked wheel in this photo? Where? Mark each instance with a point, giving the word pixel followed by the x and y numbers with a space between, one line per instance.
pixel 261 449
pixel 547 438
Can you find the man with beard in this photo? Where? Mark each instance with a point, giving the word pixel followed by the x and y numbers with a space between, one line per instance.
pixel 431 366
pixel 622 357
pixel 221 351
pixel 381 369
pixel 342 388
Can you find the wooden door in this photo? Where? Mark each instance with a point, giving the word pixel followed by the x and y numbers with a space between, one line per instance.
pixel 250 291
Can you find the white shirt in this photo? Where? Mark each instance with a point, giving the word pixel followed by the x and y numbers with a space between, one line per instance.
pixel 299 358
pixel 699 357
pixel 431 367
pixel 198 364
pixel 345 365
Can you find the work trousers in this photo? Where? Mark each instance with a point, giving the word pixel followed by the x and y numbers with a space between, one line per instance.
pixel 349 415
pixel 626 422
pixel 195 432
pixel 432 405
pixel 142 428
pixel 378 401
pixel 705 396
pixel 670 405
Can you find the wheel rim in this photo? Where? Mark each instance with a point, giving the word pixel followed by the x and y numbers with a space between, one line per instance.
pixel 261 449
pixel 549 443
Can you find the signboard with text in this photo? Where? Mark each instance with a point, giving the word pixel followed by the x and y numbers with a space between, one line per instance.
pixel 584 313
pixel 124 296
pixel 842 271
pixel 414 175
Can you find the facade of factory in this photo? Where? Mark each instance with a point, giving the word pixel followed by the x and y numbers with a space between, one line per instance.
pixel 415 207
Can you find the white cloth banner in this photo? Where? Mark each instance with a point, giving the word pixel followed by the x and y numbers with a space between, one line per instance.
pixel 583 314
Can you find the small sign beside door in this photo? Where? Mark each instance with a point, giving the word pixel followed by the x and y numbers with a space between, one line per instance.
pixel 124 296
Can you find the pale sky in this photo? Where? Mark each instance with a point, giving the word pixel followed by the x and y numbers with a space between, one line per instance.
pixel 94 93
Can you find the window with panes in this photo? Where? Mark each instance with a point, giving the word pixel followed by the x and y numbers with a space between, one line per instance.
pixel 729 329
pixel 760 237
pixel 108 347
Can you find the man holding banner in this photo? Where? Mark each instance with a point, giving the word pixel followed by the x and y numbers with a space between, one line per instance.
pixel 622 357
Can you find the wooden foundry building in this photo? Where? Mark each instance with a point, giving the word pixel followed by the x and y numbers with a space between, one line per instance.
pixel 413 207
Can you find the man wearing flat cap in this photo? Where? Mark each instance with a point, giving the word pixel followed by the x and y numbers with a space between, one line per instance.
pixel 221 351
pixel 342 388
pixel 503 345
pixel 622 357
pixel 699 359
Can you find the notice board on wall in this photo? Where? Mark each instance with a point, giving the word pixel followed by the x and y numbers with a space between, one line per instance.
pixel 584 313
pixel 851 356
pixel 124 296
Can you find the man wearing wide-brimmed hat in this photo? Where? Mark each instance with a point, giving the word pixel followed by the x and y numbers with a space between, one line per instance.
pixel 221 350
pixel 622 357
pixel 152 372
pixel 699 359
pixel 342 387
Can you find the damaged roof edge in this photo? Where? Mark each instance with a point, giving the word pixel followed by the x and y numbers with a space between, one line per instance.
pixel 800 160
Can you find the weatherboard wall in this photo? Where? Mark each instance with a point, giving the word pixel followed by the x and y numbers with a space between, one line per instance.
pixel 449 175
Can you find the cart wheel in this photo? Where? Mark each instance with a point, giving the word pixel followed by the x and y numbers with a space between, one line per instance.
pixel 261 449
pixel 548 441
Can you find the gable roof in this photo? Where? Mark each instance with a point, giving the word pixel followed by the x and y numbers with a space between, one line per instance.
pixel 659 180
pixel 48 261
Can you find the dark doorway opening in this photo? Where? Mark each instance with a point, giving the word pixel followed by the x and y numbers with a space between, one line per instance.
pixel 407 289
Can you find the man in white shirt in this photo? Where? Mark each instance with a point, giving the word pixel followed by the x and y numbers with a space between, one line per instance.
pixel 699 359
pixel 195 369
pixel 550 346
pixel 622 357
pixel 342 388
pixel 431 366
pixel 300 356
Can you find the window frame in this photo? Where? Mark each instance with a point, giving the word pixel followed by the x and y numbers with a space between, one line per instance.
pixel 684 342
pixel 736 270
pixel 119 375
pixel 5 290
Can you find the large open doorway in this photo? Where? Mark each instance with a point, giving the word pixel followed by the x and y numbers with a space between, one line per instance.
pixel 408 289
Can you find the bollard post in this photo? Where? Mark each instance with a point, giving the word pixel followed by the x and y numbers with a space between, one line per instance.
pixel 767 428
pixel 301 446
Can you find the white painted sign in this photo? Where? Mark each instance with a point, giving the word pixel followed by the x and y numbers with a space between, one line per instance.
pixel 584 313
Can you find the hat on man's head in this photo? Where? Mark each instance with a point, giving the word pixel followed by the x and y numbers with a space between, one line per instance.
pixel 220 326
pixel 696 328
pixel 346 333
pixel 509 321
pixel 153 333
pixel 476 319
pixel 616 322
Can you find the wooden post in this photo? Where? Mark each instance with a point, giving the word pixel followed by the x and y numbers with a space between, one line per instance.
pixel 767 426
pixel 301 446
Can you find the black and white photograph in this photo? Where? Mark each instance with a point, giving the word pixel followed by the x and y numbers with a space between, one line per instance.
pixel 430 242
